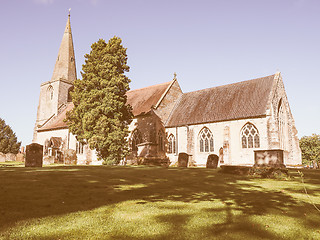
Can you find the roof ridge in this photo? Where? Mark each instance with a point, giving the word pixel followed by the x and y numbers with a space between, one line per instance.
pixel 229 84
pixel 156 85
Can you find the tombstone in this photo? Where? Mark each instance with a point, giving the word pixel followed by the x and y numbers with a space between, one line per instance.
pixel 2 157
pixel 271 158
pixel 183 159
pixel 212 161
pixel 34 154
pixel 10 157
pixel 20 157
pixel 70 157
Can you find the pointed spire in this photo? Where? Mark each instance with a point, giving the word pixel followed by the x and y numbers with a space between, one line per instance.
pixel 65 67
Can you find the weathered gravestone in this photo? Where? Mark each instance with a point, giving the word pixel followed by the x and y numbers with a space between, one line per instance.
pixel 270 158
pixel 2 157
pixel 10 157
pixel 20 157
pixel 183 159
pixel 70 157
pixel 212 161
pixel 34 154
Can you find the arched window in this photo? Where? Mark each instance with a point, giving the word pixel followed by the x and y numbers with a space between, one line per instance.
pixel 135 140
pixel 206 140
pixel 50 92
pixel 282 125
pixel 171 144
pixel 250 136
pixel 161 140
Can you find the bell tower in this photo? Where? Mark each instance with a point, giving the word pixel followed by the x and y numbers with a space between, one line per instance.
pixel 54 93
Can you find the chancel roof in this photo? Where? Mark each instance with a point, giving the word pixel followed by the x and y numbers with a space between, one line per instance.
pixel 229 102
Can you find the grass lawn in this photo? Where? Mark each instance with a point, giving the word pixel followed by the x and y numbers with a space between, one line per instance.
pixel 100 202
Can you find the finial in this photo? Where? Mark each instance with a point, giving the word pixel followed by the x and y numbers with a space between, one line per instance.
pixel 174 76
pixel 69 12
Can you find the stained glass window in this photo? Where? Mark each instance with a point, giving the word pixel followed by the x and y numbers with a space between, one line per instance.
pixel 206 140
pixel 250 136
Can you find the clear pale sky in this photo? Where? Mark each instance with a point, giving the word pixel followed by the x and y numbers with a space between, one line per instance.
pixel 207 43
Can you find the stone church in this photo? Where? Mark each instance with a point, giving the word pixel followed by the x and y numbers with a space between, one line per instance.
pixel 232 121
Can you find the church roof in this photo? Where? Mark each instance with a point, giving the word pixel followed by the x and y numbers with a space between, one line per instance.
pixel 58 121
pixel 143 99
pixel 65 67
pixel 240 100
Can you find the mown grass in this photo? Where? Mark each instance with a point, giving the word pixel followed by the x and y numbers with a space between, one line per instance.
pixel 99 202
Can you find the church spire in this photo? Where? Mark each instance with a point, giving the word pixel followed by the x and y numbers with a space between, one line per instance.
pixel 65 67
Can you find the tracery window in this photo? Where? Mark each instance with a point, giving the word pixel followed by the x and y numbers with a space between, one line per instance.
pixel 206 140
pixel 135 140
pixel 250 136
pixel 161 140
pixel 171 144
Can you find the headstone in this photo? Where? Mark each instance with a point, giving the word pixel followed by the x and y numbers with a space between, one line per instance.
pixel 212 161
pixel 10 157
pixel 47 160
pixel 34 154
pixel 70 157
pixel 271 158
pixel 183 159
pixel 20 157
pixel 2 157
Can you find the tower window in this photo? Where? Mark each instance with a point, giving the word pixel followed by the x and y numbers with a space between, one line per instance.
pixel 50 92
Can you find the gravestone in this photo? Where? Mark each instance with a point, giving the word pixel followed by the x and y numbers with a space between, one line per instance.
pixel 10 157
pixel 2 157
pixel 183 159
pixel 34 154
pixel 212 161
pixel 70 157
pixel 270 158
pixel 20 157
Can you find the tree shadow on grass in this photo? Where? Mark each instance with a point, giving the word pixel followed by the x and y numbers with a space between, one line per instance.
pixel 28 193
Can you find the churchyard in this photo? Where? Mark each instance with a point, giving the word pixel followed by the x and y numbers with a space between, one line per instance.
pixel 140 202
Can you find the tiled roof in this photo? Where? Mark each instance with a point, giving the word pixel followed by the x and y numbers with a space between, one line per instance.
pixel 143 99
pixel 234 101
pixel 58 122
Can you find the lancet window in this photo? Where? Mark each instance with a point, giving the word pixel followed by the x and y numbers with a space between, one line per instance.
pixel 161 140
pixel 50 92
pixel 250 136
pixel 206 140
pixel 79 148
pixel 282 125
pixel 171 144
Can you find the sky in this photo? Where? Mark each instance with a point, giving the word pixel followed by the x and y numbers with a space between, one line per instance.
pixel 206 42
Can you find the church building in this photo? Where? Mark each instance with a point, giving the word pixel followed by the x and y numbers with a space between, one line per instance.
pixel 232 121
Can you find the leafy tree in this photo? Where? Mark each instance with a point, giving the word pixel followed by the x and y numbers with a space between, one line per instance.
pixel 100 116
pixel 310 149
pixel 8 139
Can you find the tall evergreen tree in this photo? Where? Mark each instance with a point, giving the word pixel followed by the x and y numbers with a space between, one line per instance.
pixel 100 115
pixel 8 139
pixel 310 149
